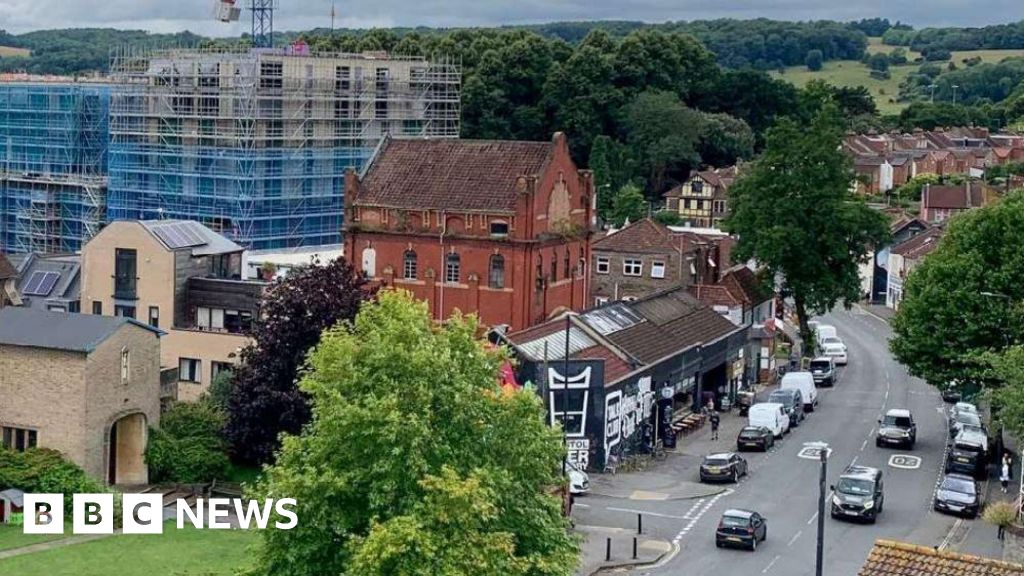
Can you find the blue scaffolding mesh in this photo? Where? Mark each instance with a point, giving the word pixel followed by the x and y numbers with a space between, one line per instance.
pixel 53 159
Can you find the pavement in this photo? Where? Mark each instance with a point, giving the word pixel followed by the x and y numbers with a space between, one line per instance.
pixel 783 483
pixel 605 549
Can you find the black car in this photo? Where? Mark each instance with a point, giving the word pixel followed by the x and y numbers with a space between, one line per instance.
pixel 958 494
pixel 897 428
pixel 744 528
pixel 968 455
pixel 752 437
pixel 858 495
pixel 793 401
pixel 823 369
pixel 951 394
pixel 723 466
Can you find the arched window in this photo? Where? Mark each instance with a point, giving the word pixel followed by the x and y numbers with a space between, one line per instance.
pixel 452 268
pixel 409 265
pixel 496 277
pixel 554 266
pixel 369 262
pixel 566 271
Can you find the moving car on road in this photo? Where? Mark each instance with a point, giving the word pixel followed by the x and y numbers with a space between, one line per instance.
pixel 804 382
pixel 793 402
pixel 958 494
pixel 771 415
pixel 858 495
pixel 823 371
pixel 723 466
pixel 757 437
pixel 837 353
pixel 897 428
pixel 741 528
pixel 968 454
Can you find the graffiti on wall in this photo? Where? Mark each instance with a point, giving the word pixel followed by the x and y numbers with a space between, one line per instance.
pixel 624 413
pixel 567 400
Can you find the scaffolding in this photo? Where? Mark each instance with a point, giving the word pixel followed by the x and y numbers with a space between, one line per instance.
pixel 53 159
pixel 255 144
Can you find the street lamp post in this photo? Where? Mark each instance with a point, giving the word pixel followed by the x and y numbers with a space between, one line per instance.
pixel 819 560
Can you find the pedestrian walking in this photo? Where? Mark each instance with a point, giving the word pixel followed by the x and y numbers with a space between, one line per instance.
pixel 714 425
pixel 1004 475
pixel 1001 534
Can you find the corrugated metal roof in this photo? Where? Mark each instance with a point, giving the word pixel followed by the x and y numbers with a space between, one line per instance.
pixel 578 340
pixel 612 318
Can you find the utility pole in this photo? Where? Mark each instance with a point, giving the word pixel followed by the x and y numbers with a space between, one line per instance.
pixel 819 560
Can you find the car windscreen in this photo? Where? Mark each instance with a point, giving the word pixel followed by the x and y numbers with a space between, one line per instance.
pixel 750 433
pixel 782 398
pixel 855 486
pixel 964 447
pixel 831 340
pixel 716 462
pixel 898 421
pixel 820 365
pixel 968 418
pixel 735 521
pixel 957 485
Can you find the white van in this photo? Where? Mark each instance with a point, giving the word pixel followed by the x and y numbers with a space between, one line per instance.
pixel 771 415
pixel 825 331
pixel 804 382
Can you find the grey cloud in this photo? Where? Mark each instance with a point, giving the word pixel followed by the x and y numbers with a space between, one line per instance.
pixel 197 15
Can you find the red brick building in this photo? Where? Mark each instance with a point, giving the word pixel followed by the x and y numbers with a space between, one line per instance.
pixel 499 228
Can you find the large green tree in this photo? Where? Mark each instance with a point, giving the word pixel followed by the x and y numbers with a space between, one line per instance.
pixel 415 461
pixel 964 299
pixel 795 213
pixel 663 134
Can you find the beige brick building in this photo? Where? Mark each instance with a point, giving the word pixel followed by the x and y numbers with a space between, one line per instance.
pixel 178 276
pixel 87 386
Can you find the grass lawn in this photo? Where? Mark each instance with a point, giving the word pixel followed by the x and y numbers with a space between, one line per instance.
pixel 11 537
pixel 10 51
pixel 173 553
pixel 242 474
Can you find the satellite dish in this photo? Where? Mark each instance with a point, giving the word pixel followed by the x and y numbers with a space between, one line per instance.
pixel 226 11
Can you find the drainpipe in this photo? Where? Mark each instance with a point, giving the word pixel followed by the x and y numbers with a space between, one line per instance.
pixel 442 271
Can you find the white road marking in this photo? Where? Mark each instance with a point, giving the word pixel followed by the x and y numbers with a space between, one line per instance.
pixel 699 508
pixel 580 505
pixel 905 461
pixel 646 513
pixel 770 564
pixel 809 522
pixel 795 536
pixel 863 444
pixel 949 537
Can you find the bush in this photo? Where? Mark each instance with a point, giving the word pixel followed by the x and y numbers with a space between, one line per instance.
pixel 41 470
pixel 937 55
pixel 880 74
pixel 879 62
pixel 668 217
pixel 814 60
pixel 189 446
pixel 1000 513
pixel 220 389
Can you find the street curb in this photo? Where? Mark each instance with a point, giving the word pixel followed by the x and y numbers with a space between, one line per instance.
pixel 670 499
pixel 631 566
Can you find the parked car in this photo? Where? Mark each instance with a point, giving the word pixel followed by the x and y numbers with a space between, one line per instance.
pixel 755 437
pixel 959 419
pixel 793 401
pixel 859 494
pixel 804 382
pixel 897 428
pixel 728 466
pixel 741 528
pixel 968 454
pixel 958 494
pixel 825 331
pixel 832 341
pixel 823 371
pixel 951 392
pixel 837 353
pixel 771 415
pixel 579 481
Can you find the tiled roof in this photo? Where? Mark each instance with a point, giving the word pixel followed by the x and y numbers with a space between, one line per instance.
pixel 448 174
pixel 7 269
pixel 889 558
pixel 614 367
pixel 743 284
pixel 643 236
pixel 714 295
pixel 969 195
pixel 919 245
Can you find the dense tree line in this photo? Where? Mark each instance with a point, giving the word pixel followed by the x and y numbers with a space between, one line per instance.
pixel 995 37
pixel 81 50
pixel 974 84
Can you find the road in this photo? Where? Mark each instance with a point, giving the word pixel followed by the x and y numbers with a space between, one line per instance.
pixel 783 486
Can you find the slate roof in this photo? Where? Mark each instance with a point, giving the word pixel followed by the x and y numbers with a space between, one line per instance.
pixel 889 558
pixel 919 245
pixel 59 330
pixel 641 237
pixel 7 269
pixel 67 287
pixel 448 174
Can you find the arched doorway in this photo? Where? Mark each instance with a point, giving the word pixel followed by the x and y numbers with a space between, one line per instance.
pixel 126 449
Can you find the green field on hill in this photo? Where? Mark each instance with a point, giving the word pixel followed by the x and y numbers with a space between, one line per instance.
pixel 10 51
pixel 885 92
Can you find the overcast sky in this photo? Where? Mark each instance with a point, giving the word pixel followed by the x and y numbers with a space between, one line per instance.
pixel 197 15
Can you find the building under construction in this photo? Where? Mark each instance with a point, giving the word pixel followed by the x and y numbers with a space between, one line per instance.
pixel 53 163
pixel 255 144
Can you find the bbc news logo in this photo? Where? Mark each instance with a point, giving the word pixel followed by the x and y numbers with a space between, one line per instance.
pixel 144 513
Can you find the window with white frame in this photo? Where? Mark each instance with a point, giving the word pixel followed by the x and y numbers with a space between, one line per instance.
pixel 190 370
pixel 657 269
pixel 452 268
pixel 600 301
pixel 409 265
pixel 125 364
pixel 603 265
pixel 633 267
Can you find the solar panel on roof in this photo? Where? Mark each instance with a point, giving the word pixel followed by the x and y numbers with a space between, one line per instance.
pixel 178 235
pixel 41 283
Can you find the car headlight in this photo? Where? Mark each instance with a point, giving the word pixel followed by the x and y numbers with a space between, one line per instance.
pixel 836 501
pixel 869 504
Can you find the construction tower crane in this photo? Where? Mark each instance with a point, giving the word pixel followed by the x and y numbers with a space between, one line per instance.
pixel 262 19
